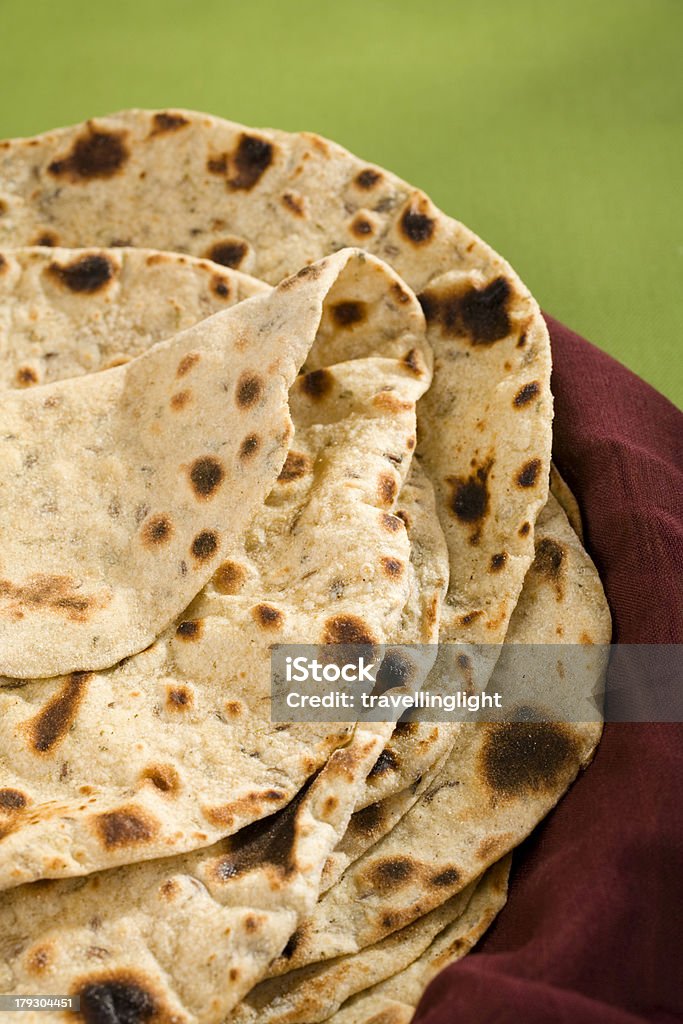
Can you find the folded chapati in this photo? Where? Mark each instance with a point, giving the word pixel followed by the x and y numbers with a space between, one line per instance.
pixel 175 748
pixel 566 499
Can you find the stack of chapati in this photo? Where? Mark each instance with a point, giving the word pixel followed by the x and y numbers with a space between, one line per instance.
pixel 351 446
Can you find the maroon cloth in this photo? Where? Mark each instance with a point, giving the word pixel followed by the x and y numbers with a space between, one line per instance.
pixel 593 929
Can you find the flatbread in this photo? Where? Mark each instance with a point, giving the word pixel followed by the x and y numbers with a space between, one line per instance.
pixel 566 499
pixel 66 312
pixel 312 994
pixel 499 780
pixel 109 530
pixel 182 939
pixel 112 938
pixel 369 824
pixel 417 750
pixel 267 202
pixel 393 1000
pixel 410 753
pixel 175 748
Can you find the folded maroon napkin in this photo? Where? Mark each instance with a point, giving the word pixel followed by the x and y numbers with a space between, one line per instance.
pixel 593 929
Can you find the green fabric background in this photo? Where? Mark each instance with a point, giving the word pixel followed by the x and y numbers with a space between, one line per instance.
pixel 551 127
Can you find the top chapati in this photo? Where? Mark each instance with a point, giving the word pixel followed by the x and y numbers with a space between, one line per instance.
pixel 268 202
pixel 323 560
